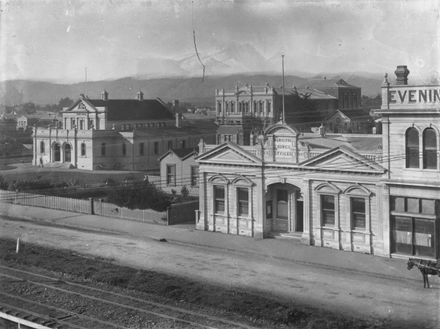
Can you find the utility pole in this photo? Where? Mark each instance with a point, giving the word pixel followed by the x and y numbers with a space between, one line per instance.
pixel 284 110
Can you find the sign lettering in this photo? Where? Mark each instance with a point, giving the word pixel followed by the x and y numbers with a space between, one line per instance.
pixel 422 95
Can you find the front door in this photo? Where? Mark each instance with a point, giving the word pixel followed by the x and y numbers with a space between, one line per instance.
pixel 67 153
pixel 56 152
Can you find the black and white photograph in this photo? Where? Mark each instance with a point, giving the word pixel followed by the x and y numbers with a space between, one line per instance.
pixel 219 164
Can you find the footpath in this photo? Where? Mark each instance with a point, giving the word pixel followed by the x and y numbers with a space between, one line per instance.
pixel 290 250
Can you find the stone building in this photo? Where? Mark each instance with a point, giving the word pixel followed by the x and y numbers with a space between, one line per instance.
pixel 128 134
pixel 377 194
pixel 242 112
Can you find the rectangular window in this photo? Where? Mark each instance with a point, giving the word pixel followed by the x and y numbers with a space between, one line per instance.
pixel 83 149
pixel 171 175
pixel 328 209
pixel 412 205
pixel 358 213
pixel 243 201
pixel 124 149
pixel 398 204
pixel 194 175
pixel 103 149
pixel 428 207
pixel 156 147
pixel 141 148
pixel 219 199
pixel 183 144
pixel 170 145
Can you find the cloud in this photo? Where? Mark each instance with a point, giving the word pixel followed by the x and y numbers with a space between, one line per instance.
pixel 112 36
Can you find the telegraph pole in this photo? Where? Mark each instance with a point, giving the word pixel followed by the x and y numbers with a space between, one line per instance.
pixel 284 110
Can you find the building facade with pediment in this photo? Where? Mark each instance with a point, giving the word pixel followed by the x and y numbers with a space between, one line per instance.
pixel 377 194
pixel 245 110
pixel 116 134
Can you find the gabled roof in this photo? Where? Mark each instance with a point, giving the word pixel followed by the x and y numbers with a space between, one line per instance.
pixel 129 109
pixel 182 153
pixel 329 83
pixel 342 158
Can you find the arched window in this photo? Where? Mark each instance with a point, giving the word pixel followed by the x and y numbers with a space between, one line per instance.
pixel 429 149
pixel 412 148
pixel 41 147
pixel 83 149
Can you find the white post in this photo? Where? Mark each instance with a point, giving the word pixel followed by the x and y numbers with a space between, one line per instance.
pixel 17 248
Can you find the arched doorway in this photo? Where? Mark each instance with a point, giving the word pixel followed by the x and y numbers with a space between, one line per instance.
pixel 56 152
pixel 67 153
pixel 284 208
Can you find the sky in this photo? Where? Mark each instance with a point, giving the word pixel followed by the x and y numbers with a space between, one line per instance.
pixel 55 40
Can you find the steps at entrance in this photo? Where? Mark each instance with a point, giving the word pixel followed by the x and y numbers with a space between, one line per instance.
pixel 290 235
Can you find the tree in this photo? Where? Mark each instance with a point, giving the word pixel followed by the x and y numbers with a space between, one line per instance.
pixel 65 102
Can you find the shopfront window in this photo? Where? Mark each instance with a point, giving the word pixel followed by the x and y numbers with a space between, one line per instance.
pixel 414 226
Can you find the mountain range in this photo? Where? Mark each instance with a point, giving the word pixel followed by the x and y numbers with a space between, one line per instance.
pixel 194 90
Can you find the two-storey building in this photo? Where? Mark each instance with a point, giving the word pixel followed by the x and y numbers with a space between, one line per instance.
pixel 129 134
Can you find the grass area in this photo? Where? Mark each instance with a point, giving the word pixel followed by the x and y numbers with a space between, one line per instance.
pixel 260 310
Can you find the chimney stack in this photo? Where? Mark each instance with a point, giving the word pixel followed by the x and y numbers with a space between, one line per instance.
pixel 321 130
pixel 140 96
pixel 178 124
pixel 104 95
pixel 402 73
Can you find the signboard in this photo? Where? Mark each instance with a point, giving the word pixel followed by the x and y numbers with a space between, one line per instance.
pixel 410 97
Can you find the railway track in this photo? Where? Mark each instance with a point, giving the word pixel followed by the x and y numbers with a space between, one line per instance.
pixel 67 304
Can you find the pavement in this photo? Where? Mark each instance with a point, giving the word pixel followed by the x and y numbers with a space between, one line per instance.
pixel 287 249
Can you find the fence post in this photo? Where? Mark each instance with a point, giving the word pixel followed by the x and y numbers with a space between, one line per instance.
pixel 92 209
pixel 168 214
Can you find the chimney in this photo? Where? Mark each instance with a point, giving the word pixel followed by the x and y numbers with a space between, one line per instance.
pixel 104 95
pixel 402 73
pixel 178 120
pixel 321 130
pixel 140 96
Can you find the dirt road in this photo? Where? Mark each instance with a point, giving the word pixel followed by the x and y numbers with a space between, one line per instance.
pixel 361 295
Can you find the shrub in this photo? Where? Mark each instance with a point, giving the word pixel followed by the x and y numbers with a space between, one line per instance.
pixel 3 183
pixel 139 196
pixel 184 192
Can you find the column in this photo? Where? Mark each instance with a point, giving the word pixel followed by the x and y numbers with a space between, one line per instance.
pixel 307 236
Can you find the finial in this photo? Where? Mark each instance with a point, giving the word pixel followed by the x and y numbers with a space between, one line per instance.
pixel 385 80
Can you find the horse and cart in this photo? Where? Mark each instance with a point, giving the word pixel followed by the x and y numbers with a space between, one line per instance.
pixel 426 267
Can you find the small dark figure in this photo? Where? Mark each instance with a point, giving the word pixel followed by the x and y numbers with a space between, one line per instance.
pixel 41 162
pixel 426 267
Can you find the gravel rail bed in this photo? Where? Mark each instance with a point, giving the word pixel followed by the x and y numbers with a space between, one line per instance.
pixel 102 305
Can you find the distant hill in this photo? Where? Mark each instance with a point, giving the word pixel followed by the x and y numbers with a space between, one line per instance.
pixel 192 90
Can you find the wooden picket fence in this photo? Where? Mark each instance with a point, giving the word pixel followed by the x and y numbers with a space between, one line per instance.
pixel 94 207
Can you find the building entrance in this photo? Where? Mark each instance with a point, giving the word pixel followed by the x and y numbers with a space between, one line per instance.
pixel 67 153
pixel 284 208
pixel 56 152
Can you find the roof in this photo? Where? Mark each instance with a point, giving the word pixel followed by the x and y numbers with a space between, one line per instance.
pixel 353 114
pixel 366 143
pixel 329 83
pixel 225 129
pixel 176 132
pixel 182 153
pixel 132 109
pixel 308 92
